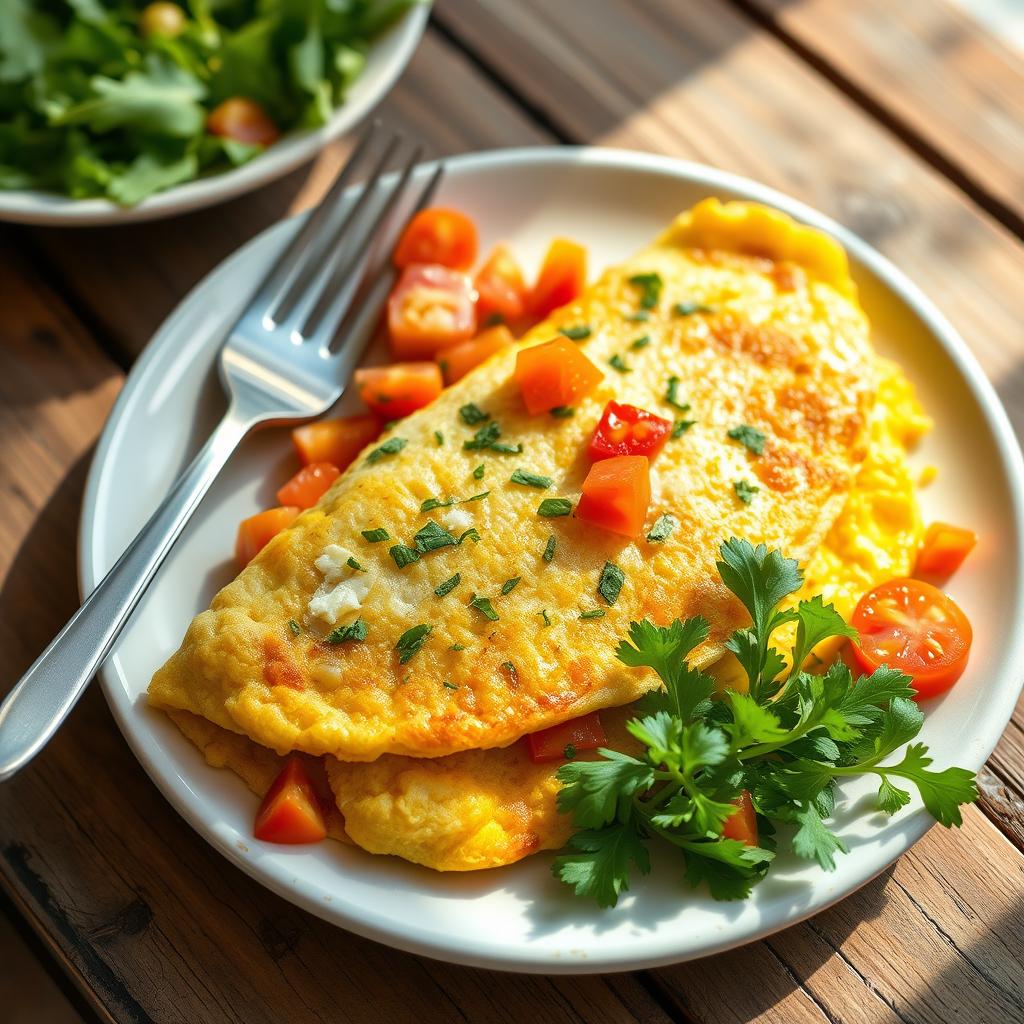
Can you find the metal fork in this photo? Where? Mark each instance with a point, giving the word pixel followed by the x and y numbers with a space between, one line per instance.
pixel 287 359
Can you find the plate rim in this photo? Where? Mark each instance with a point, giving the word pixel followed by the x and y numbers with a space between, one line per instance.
pixel 494 955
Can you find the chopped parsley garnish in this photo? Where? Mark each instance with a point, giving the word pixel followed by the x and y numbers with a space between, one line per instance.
pixel 528 479
pixel 680 427
pixel 563 412
pixel 442 589
pixel 478 473
pixel 672 395
pixel 509 585
pixel 391 446
pixel 639 317
pixel 294 627
pixel 745 491
pixel 472 414
pixel 486 438
pixel 484 607
pixel 431 537
pixel 650 289
pixel 610 583
pixel 569 752
pixel 662 528
pixel 403 555
pixel 618 363
pixel 594 613
pixel 579 333
pixel 476 497
pixel 470 534
pixel 642 342
pixel 689 308
pixel 543 613
pixel 353 564
pixel 457 647
pixel 439 438
pixel 374 536
pixel 549 549
pixel 354 631
pixel 411 641
pixel 787 740
pixel 551 508
pixel 431 503
pixel 449 686
pixel 750 437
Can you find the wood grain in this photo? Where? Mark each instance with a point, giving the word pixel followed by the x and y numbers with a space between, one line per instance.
pixel 932 72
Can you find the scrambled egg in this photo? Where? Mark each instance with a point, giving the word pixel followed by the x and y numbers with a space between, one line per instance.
pixel 784 348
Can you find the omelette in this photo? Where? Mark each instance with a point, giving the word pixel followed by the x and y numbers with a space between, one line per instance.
pixel 754 321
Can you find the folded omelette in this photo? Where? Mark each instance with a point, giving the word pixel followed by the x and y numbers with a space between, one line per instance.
pixel 755 322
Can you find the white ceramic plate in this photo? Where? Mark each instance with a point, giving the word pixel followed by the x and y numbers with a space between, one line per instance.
pixel 519 918
pixel 385 61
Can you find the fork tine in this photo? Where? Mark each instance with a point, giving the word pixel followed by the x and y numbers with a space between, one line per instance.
pixel 342 280
pixel 284 265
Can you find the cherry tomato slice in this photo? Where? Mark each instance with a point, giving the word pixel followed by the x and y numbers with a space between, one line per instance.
pixel 290 812
pixel 437 235
pixel 944 549
pixel 628 430
pixel 309 485
pixel 501 290
pixel 243 120
pixel 742 823
pixel 560 742
pixel 431 308
pixel 914 627
pixel 397 390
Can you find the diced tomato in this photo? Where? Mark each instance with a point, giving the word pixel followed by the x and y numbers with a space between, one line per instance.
pixel 562 277
pixel 257 530
pixel 742 823
pixel 431 308
pixel 335 441
pixel 290 812
pixel 397 390
pixel 944 549
pixel 915 628
pixel 616 494
pixel 560 741
pixel 309 485
pixel 553 374
pixel 440 236
pixel 500 288
pixel 243 120
pixel 628 430
pixel 457 361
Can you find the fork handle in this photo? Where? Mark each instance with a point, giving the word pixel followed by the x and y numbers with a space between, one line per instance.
pixel 46 693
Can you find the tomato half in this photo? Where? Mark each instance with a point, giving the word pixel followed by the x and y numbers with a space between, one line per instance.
pixel 243 120
pixel 309 485
pixel 290 812
pixel 944 548
pixel 457 361
pixel 397 390
pixel 256 532
pixel 560 741
pixel 616 494
pixel 335 441
pixel 562 277
pixel 628 430
pixel 431 308
pixel 742 823
pixel 438 235
pixel 554 374
pixel 914 627
pixel 500 288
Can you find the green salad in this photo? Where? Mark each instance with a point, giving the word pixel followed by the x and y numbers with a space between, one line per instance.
pixel 118 99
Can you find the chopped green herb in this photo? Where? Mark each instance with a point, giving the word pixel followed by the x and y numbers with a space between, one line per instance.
pixel 513 675
pixel 373 536
pixel 411 641
pixel 391 423
pixel 472 414
pixel 745 491
pixel 594 613
pixel 672 395
pixel 431 503
pixel 544 615
pixel 639 317
pixel 618 363
pixel 549 549
pixel 353 564
pixel 403 555
pixel 484 607
pixel 552 508
pixel 443 589
pixel 563 412
pixel 642 342
pixel 662 528
pixel 689 308
pixel 580 333
pixel 449 686
pixel 295 628
pixel 354 631
pixel 439 438
pixel 470 534
pixel 528 479
pixel 476 497
pixel 610 583
pixel 650 289
pixel 486 438
pixel 432 537
pixel 478 473
pixel 509 585
pixel 391 446
pixel 750 437
pixel 569 752
pixel 680 427
pixel 457 647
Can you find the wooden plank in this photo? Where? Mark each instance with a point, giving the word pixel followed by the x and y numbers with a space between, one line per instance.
pixel 932 71
pixel 127 279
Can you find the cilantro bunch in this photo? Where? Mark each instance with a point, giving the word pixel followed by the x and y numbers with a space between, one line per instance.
pixel 786 741
pixel 93 105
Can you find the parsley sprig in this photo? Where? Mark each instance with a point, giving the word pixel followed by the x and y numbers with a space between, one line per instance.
pixel 786 741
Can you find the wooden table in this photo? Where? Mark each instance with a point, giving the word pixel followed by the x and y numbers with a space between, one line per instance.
pixel 903 121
